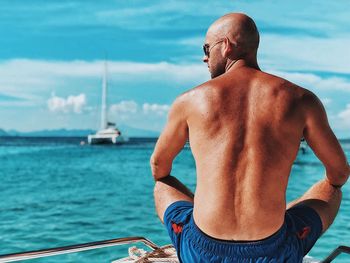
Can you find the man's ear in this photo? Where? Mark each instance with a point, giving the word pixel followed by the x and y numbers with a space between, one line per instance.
pixel 228 48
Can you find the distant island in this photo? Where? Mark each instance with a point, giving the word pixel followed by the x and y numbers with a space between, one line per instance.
pixel 128 131
pixel 3 133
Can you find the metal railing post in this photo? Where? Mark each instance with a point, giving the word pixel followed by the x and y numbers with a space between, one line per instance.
pixel 335 253
pixel 75 248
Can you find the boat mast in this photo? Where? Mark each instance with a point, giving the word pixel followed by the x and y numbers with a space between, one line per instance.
pixel 104 98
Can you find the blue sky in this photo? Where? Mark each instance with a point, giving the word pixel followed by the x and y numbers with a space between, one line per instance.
pixel 52 52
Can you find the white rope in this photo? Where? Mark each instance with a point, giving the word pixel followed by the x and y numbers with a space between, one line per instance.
pixel 164 254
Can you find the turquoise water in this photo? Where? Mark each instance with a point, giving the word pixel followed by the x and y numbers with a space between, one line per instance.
pixel 55 192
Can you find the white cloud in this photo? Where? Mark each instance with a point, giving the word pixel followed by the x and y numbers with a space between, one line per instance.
pixel 174 14
pixel 315 82
pixel 169 14
pixel 66 105
pixel 291 53
pixel 191 41
pixel 345 116
pixel 326 101
pixel 155 108
pixel 305 53
pixel 84 77
pixel 151 116
pixel 128 106
pixel 25 77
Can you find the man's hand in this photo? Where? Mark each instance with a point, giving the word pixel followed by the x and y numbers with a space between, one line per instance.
pixel 171 141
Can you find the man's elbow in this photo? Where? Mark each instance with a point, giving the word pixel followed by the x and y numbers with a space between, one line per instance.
pixel 159 169
pixel 339 177
pixel 347 173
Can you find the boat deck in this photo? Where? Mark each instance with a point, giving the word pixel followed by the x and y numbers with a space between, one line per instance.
pixel 156 254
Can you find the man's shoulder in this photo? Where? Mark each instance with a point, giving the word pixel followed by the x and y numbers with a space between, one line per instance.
pixel 193 93
pixel 183 100
pixel 278 83
pixel 296 96
pixel 191 99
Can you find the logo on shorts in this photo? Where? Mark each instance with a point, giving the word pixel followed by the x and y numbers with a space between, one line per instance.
pixel 177 228
pixel 302 234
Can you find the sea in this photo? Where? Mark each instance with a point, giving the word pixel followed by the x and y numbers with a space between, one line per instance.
pixel 58 192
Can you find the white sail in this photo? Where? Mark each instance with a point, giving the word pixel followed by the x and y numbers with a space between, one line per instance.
pixel 104 99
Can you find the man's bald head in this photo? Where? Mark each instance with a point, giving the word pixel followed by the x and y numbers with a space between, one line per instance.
pixel 233 37
pixel 239 29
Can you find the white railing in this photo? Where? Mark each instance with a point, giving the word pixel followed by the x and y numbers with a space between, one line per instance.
pixel 75 248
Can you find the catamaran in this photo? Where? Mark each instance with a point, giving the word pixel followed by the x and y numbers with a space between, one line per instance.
pixel 108 133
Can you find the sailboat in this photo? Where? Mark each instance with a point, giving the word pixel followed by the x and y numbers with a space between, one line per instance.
pixel 108 133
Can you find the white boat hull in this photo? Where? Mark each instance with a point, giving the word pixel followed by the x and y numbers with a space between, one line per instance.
pixel 106 139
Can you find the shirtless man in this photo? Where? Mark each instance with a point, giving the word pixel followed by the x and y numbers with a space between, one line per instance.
pixel 244 128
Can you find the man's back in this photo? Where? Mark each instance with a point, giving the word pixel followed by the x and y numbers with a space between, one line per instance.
pixel 244 129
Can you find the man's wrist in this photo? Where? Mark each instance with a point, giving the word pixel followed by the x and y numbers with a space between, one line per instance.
pixel 160 177
pixel 337 186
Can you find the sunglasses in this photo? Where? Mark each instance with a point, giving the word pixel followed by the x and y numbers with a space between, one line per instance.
pixel 207 47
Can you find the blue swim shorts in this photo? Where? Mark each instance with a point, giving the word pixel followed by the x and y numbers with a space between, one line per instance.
pixel 301 229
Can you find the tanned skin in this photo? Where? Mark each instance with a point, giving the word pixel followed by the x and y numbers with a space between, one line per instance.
pixel 244 127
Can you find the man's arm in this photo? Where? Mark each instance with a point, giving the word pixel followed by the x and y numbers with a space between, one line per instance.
pixel 323 142
pixel 171 141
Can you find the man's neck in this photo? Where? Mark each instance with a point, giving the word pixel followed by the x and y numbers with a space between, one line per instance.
pixel 235 64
